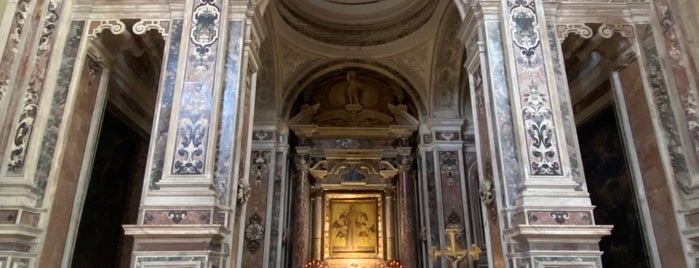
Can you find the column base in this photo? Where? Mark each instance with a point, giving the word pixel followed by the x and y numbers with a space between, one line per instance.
pixel 555 245
pixel 178 245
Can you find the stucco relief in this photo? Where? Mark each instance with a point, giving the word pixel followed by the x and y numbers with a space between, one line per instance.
pixel 447 66
pixel 290 58
pixel 416 59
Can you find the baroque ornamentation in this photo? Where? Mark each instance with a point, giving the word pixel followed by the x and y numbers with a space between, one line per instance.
pixel 669 32
pixel 661 100
pixel 192 129
pixel 692 117
pixel 177 215
pixel 582 30
pixel 260 168
pixel 486 190
pixel 205 30
pixel 142 26
pixel 25 126
pixel 447 135
pixel 96 27
pixel 559 216
pixel 607 31
pixel 254 232
pixel 538 119
pixel 243 193
pixel 525 32
pixel 455 221
pixel 263 135
pixel 8 57
pixel 449 167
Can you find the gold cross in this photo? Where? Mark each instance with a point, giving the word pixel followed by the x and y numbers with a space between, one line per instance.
pixel 452 252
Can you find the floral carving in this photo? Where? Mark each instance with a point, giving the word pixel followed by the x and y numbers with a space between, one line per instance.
pixel 538 119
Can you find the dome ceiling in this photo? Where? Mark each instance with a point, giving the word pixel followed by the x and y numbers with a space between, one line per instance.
pixel 356 22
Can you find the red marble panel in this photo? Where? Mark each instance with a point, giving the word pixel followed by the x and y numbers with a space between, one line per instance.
pixel 174 216
pixel 30 218
pixel 559 217
pixel 8 216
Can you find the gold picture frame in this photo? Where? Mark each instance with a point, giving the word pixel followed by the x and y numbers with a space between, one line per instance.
pixel 353 226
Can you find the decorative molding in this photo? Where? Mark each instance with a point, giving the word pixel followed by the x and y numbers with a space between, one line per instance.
pixel 447 135
pixel 263 135
pixel 254 233
pixel 96 27
pixel 582 30
pixel 607 31
pixel 142 26
pixel 319 170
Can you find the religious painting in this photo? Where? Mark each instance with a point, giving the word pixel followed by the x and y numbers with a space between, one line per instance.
pixel 353 227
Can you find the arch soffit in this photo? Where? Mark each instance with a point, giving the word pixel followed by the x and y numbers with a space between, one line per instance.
pixel 318 69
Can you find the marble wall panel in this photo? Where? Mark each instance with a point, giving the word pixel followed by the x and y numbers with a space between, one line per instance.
pixel 648 152
pixel 33 90
pixel 182 217
pixel 255 230
pixel 681 68
pixel 450 179
pixel 536 105
pixel 194 115
pixel 499 94
pixel 661 100
pixel 23 10
pixel 276 198
pixel 229 108
pixel 164 109
pixel 565 108
pixel 8 216
pixel 432 203
pixel 76 137
pixel 60 94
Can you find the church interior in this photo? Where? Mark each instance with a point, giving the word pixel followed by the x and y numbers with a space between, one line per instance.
pixel 349 133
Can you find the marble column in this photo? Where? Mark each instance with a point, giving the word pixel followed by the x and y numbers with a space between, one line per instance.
pixel 301 209
pixel 536 199
pixel 317 216
pixel 197 184
pixel 407 229
pixel 389 221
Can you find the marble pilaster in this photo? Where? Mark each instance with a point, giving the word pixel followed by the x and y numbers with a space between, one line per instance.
pixel 300 207
pixel 522 138
pixel 407 227
pixel 200 158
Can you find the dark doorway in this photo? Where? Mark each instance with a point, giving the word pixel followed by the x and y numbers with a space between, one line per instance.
pixel 611 189
pixel 113 196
